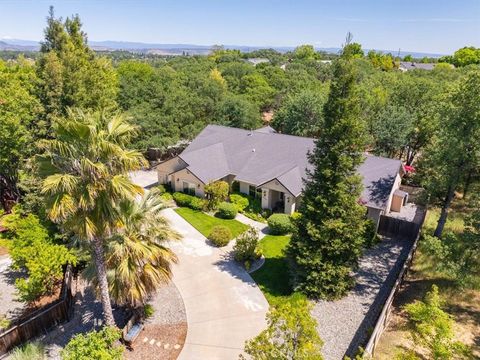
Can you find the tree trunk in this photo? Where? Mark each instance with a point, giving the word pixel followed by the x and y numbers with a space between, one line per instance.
pixel 468 182
pixel 102 281
pixel 443 215
pixel 8 193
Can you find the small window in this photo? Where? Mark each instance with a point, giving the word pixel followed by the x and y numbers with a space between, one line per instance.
pixel 188 188
pixel 282 196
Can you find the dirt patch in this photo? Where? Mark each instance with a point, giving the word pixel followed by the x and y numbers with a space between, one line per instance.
pixel 158 342
pixel 3 251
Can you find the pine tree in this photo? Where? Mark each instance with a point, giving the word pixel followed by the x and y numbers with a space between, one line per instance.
pixel 329 234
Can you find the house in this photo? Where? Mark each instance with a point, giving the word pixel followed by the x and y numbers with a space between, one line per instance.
pixel 407 66
pixel 270 166
pixel 256 61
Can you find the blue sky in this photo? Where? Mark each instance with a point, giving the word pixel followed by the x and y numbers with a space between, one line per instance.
pixel 435 26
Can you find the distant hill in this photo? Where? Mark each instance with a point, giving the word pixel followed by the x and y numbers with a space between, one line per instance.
pixel 176 49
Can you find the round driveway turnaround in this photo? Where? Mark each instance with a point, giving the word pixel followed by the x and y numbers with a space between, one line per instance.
pixel 223 304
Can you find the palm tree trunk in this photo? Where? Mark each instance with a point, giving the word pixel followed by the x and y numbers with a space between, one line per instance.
pixel 443 215
pixel 99 257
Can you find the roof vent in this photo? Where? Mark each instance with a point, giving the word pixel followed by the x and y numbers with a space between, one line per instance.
pixel 253 150
pixel 249 134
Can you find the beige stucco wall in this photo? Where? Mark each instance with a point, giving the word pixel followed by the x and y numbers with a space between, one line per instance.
pixel 167 167
pixel 184 175
pixel 244 187
pixel 374 214
pixel 396 185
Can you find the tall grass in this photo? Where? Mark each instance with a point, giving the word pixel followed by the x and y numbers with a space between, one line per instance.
pixel 30 351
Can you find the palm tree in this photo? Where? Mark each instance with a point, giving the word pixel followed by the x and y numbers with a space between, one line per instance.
pixel 137 260
pixel 85 178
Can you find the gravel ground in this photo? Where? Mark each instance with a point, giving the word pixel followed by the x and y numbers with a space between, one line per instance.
pixel 164 333
pixel 9 306
pixel 344 324
pixel 168 324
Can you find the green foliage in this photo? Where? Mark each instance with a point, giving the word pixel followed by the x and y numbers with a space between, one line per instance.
pixel 432 328
pixel 240 201
pixel 246 245
pixel 68 68
pixel 148 311
pixel 220 235
pixel 227 211
pixel 380 60
pixel 238 111
pixel 29 351
pixel 391 130
pixel 305 52
pixel 189 201
pixel 353 51
pixel 18 109
pixel 291 334
pixel 329 235
pixel 4 323
pixel 301 114
pixel 216 192
pixel 457 255
pixel 467 55
pixel 94 345
pixel 455 153
pixel 32 249
pixel 371 236
pixel 280 224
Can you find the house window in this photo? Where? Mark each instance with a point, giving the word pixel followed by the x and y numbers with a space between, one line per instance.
pixel 252 190
pixel 188 188
pixel 282 196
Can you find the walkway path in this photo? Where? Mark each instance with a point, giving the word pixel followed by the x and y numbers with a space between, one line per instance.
pixel 261 227
pixel 343 325
pixel 224 306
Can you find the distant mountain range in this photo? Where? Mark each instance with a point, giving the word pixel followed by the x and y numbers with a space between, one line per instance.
pixel 175 49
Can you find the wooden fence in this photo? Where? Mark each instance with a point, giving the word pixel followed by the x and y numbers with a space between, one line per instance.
pixel 382 321
pixel 41 320
pixel 390 226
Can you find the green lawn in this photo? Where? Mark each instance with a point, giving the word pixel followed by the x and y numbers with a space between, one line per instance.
pixel 204 222
pixel 273 277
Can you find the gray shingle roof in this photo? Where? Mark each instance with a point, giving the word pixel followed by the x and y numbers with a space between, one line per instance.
pixel 259 156
pixel 407 65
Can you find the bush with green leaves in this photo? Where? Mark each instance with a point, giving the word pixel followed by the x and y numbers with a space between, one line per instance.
pixel 189 201
pixel 240 201
pixel 246 245
pixel 216 192
pixel 4 322
pixel 161 188
pixel 30 351
pixel 432 328
pixel 291 334
pixel 94 345
pixel 227 211
pixel 220 235
pixel 371 236
pixel 280 224
pixel 148 311
pixel 167 197
pixel 33 250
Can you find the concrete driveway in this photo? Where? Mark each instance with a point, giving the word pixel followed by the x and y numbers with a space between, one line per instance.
pixel 223 304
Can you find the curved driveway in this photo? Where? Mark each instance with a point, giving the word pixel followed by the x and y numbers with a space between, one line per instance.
pixel 223 304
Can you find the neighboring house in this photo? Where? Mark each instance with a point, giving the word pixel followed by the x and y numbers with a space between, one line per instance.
pixel 256 61
pixel 407 66
pixel 269 165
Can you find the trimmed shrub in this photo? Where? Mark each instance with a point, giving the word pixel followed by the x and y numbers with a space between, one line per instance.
pixel 295 216
pixel 189 201
pixel 30 351
pixel 166 196
pixel 148 311
pixel 196 203
pixel 280 224
pixel 220 235
pixel 227 211
pixel 245 245
pixel 161 188
pixel 240 201
pixel 181 199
